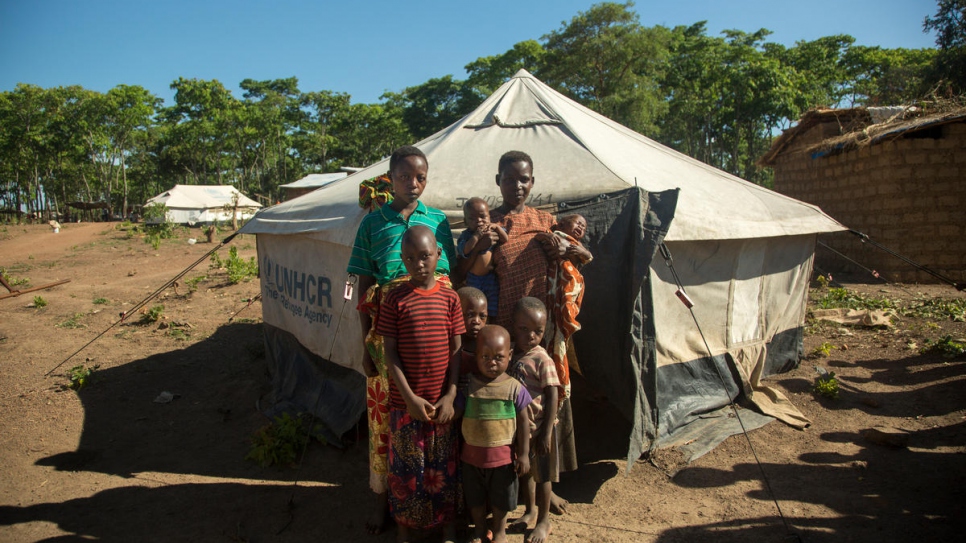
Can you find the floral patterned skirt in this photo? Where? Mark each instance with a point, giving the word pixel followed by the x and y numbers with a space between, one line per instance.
pixel 424 490
pixel 377 388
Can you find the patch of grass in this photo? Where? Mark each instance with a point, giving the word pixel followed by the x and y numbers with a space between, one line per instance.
pixel 178 334
pixel 73 321
pixel 944 346
pixel 80 376
pixel 826 385
pixel 40 302
pixel 280 442
pixel 100 301
pixel 14 281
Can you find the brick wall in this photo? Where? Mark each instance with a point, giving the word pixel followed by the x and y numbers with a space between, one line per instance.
pixel 907 194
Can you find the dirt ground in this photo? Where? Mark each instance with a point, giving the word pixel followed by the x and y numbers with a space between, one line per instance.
pixel 109 463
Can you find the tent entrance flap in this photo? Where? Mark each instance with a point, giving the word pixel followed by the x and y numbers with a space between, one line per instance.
pixel 616 343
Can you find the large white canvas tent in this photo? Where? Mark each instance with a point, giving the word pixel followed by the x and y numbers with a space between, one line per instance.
pixel 204 204
pixel 742 252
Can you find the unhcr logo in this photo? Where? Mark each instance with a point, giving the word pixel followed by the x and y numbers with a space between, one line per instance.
pixel 291 286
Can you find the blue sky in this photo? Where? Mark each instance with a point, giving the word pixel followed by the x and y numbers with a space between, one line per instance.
pixel 363 47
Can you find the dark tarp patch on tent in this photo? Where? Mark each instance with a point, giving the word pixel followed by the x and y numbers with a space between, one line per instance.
pixel 303 382
pixel 616 344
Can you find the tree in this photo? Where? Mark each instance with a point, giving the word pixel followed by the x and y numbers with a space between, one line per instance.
pixel 434 105
pixel 949 66
pixel 196 147
pixel 486 74
pixel 315 139
pixel 605 60
pixel 878 76
pixel 130 112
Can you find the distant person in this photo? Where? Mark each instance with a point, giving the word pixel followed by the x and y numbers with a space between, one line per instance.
pixel 421 323
pixel 474 251
pixel 496 434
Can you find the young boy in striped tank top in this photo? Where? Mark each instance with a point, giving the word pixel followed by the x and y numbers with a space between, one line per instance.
pixel 421 322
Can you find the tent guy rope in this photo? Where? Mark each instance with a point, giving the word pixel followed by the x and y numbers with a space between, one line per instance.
pixel 144 302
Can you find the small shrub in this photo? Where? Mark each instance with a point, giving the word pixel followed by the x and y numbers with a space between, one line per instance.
pixel 944 346
pixel 826 385
pixel 278 443
pixel 153 315
pixel 238 268
pixel 823 350
pixel 100 301
pixel 822 281
pixel 193 283
pixel 80 376
pixel 39 302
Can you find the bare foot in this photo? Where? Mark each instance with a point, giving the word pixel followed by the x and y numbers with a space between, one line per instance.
pixel 520 525
pixel 558 505
pixel 377 522
pixel 541 532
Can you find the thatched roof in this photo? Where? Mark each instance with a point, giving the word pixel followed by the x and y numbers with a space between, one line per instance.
pixel 862 126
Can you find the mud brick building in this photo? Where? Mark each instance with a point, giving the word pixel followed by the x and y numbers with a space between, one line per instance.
pixel 895 174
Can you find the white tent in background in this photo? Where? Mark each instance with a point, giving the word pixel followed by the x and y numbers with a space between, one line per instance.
pixel 203 204
pixel 743 253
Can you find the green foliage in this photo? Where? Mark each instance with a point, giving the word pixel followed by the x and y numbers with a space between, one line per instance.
pixel 178 334
pixel 840 297
pixel 72 322
pixel 944 346
pixel 823 350
pixel 193 282
pixel 822 281
pixel 101 301
pixel 826 385
pixel 80 376
pixel 40 302
pixel 278 443
pixel 606 60
pixel 153 315
pixel 238 269
pixel 719 99
pixel 953 309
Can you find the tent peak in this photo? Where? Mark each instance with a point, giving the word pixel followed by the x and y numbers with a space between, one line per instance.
pixel 522 73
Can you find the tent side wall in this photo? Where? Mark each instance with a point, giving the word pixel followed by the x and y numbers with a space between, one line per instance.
pixel 312 333
pixel 749 301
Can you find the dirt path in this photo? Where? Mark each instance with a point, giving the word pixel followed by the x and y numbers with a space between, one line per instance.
pixel 109 463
